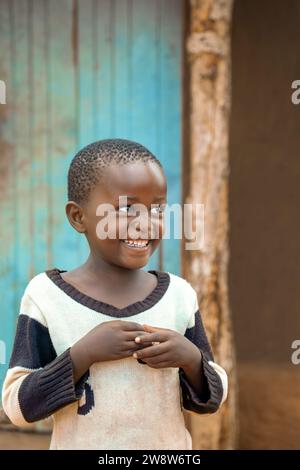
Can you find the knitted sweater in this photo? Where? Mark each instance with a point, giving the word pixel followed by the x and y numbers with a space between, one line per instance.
pixel 121 404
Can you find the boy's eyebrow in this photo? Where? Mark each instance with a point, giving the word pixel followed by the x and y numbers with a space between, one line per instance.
pixel 134 198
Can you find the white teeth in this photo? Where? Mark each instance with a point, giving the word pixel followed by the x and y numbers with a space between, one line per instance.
pixel 136 243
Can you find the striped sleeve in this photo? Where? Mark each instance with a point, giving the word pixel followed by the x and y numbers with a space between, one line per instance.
pixel 38 382
pixel 215 375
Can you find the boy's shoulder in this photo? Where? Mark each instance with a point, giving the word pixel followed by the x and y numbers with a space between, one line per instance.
pixel 38 286
pixel 34 298
pixel 183 295
pixel 182 289
pixel 181 283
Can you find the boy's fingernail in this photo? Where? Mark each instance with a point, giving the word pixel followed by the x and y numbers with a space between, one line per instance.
pixel 137 339
pixel 135 355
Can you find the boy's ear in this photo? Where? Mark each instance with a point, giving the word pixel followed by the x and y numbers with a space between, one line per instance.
pixel 75 215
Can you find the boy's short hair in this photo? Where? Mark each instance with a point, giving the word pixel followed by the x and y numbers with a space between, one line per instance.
pixel 87 166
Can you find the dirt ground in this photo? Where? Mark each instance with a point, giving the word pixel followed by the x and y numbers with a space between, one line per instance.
pixel 17 440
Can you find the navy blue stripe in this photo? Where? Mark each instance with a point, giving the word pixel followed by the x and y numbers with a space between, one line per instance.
pixel 32 401
pixel 33 347
pixel 198 336
pixel 89 400
pixel 212 395
pixel 48 389
pixel 45 391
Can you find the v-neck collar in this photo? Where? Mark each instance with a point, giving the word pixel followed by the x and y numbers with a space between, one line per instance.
pixel 163 281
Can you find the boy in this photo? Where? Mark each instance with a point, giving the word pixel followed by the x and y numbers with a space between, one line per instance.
pixel 113 352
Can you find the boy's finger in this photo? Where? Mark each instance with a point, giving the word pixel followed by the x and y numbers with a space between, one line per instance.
pixel 143 346
pixel 150 352
pixel 131 335
pixel 132 326
pixel 155 360
pixel 135 346
pixel 159 365
pixel 153 329
pixel 153 337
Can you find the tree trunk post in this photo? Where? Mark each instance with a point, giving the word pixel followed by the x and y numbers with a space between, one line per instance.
pixel 208 61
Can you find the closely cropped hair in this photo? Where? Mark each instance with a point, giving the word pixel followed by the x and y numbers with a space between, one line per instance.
pixel 87 166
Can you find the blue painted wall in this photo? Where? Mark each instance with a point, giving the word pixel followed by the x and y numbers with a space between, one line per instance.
pixel 76 72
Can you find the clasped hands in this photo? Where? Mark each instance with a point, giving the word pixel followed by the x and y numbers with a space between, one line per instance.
pixel 168 349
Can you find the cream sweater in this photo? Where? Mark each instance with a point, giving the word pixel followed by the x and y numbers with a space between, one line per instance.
pixel 121 404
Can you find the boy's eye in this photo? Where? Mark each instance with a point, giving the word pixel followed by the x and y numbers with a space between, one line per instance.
pixel 123 209
pixel 157 209
pixel 130 209
pixel 127 209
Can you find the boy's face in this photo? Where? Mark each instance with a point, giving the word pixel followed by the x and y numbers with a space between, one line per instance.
pixel 142 183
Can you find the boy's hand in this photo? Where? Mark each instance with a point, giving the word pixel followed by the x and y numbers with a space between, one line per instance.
pixel 108 341
pixel 173 350
pixel 114 340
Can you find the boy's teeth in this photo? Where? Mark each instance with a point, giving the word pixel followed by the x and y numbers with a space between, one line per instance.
pixel 136 243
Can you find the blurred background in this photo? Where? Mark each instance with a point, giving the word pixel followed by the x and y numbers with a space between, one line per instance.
pixel 206 85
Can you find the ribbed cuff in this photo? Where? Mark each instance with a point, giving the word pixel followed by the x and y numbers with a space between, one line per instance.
pixel 47 389
pixel 56 382
pixel 192 401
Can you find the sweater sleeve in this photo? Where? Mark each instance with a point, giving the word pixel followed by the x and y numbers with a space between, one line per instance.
pixel 38 382
pixel 215 375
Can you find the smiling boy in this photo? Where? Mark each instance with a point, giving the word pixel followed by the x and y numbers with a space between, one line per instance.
pixel 111 351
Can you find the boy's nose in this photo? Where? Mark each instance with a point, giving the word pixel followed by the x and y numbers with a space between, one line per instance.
pixel 148 230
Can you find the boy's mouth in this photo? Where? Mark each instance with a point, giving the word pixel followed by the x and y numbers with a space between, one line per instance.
pixel 137 244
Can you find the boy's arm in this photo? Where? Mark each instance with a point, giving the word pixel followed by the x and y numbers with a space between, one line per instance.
pixel 38 382
pixel 216 386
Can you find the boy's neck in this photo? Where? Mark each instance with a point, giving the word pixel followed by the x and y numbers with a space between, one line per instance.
pixel 98 268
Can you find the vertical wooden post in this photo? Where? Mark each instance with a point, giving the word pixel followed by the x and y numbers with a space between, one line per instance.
pixel 208 58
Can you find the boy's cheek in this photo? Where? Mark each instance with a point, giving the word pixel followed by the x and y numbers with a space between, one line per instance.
pixel 122 229
pixel 118 228
pixel 106 228
pixel 157 229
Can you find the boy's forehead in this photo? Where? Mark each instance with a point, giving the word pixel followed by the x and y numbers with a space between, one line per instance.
pixel 133 179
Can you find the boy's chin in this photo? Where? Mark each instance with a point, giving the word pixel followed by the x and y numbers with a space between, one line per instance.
pixel 133 257
pixel 134 264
